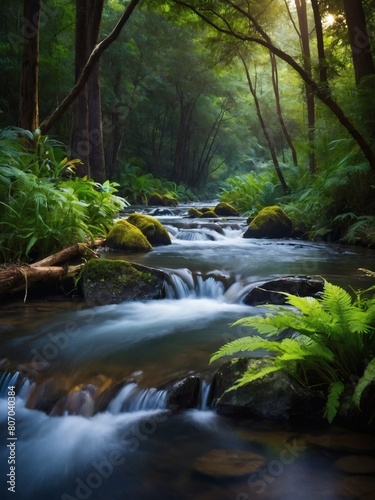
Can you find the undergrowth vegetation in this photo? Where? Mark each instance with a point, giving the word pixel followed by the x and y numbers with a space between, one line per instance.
pixel 43 207
pixel 332 348
pixel 337 202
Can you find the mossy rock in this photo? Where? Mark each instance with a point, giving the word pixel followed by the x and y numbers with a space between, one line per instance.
pixel 271 222
pixel 203 210
pixel 128 238
pixel 114 281
pixel 209 214
pixel 156 199
pixel 194 212
pixel 151 228
pixel 163 200
pixel 170 201
pixel 226 210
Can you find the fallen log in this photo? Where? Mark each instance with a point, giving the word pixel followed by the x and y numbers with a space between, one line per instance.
pixel 16 278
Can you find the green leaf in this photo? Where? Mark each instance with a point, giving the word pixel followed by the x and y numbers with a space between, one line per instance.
pixel 367 379
pixel 333 400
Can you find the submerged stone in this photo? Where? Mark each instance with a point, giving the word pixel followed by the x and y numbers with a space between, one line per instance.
pixel 127 238
pixel 151 228
pixel 356 464
pixel 114 281
pixel 271 222
pixel 226 464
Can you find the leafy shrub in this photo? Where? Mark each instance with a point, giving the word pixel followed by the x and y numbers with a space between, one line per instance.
pixel 41 209
pixel 334 346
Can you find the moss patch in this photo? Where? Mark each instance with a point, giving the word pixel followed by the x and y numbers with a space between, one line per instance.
pixel 226 210
pixel 194 212
pixel 271 222
pixel 151 228
pixel 114 281
pixel 163 200
pixel 126 237
pixel 209 214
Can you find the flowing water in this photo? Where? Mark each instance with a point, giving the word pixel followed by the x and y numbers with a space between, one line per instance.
pixel 92 419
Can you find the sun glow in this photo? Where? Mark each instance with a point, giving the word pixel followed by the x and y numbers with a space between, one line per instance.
pixel 328 20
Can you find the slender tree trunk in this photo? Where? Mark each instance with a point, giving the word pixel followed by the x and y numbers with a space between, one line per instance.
pixel 305 48
pixel 29 101
pixel 284 128
pixel 264 127
pixel 96 158
pixel 323 65
pixel 359 39
pixel 80 144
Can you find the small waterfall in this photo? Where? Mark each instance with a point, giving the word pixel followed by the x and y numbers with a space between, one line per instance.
pixel 131 399
pixel 195 235
pixel 204 394
pixel 183 284
pixel 7 380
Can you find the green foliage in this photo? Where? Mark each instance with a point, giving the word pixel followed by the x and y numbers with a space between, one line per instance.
pixel 334 343
pixel 41 208
pixel 251 192
pixel 137 187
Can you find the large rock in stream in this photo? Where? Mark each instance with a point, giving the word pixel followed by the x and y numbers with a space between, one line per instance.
pixel 269 292
pixel 271 222
pixel 277 396
pixel 114 281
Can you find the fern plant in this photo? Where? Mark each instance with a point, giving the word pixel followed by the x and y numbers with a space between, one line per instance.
pixel 334 343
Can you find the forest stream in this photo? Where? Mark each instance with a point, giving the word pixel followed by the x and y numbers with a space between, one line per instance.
pixel 134 448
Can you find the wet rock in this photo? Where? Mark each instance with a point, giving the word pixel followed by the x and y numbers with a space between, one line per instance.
pixel 267 293
pixel 208 214
pixel 114 281
pixel 226 210
pixel 161 211
pixel 162 200
pixel 227 464
pixel 184 393
pixel 277 396
pixel 127 238
pixel 271 222
pixel 150 227
pixel 354 442
pixel 356 464
pixel 194 212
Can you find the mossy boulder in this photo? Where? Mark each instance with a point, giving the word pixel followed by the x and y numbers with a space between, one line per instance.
pixel 271 222
pixel 226 210
pixel 151 228
pixel 127 237
pixel 208 214
pixel 194 213
pixel 113 281
pixel 162 200
pixel 277 396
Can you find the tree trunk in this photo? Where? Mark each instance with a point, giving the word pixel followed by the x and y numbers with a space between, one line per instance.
pixel 48 122
pixel 306 55
pixel 264 127
pixel 284 128
pixel 29 101
pixel 359 39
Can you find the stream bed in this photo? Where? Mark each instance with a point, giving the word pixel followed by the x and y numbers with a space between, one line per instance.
pixel 133 447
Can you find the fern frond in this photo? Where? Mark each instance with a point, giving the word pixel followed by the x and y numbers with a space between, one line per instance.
pixel 333 400
pixel 248 344
pixel 367 379
pixel 252 375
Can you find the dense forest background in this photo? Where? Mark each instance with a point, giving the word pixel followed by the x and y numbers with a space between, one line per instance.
pixel 256 102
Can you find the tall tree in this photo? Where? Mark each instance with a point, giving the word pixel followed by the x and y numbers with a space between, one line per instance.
pixel 29 100
pixel 359 39
pixel 87 134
